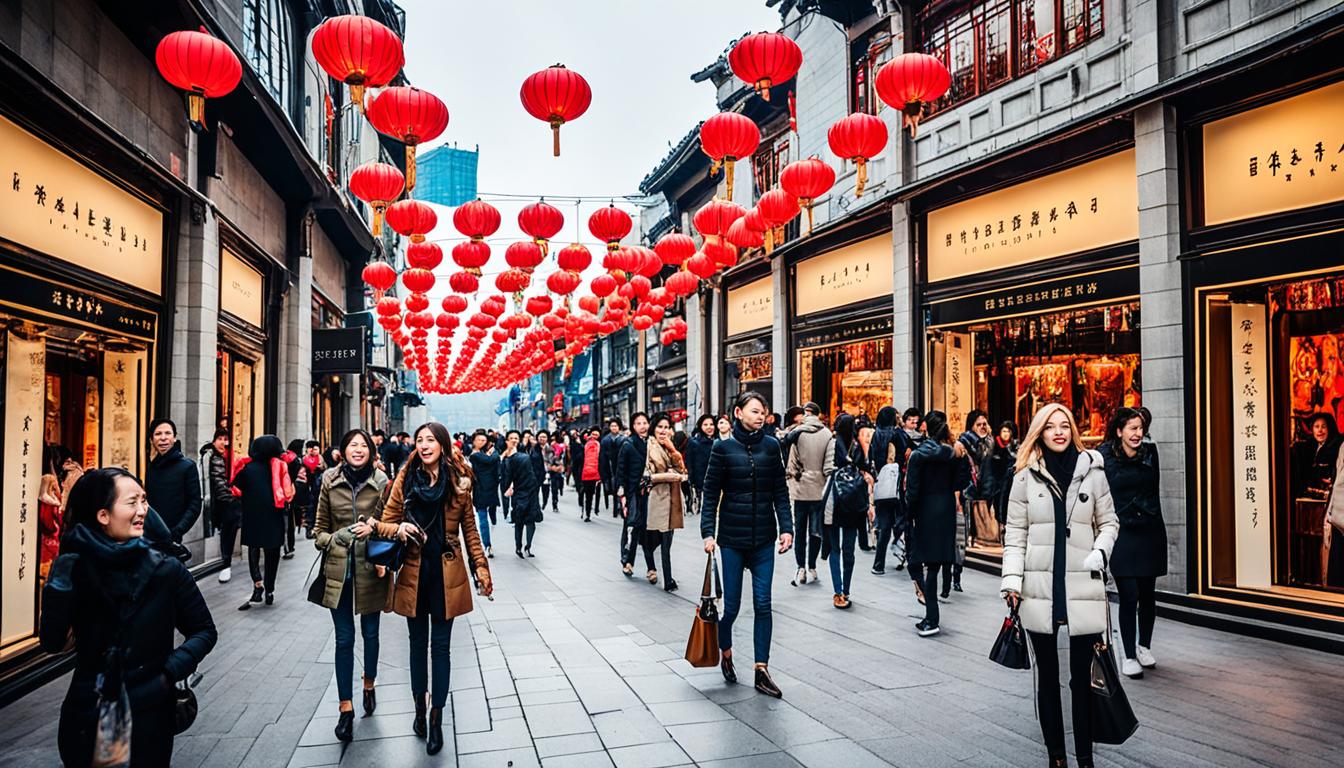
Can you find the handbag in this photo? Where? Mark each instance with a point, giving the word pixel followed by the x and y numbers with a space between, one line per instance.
pixel 185 706
pixel 1010 647
pixel 702 647
pixel 389 553
pixel 1113 720
pixel 849 492
pixel 888 485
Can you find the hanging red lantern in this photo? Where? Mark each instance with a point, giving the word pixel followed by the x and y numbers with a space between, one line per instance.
pixel 513 280
pixel 683 283
pixel 453 303
pixel 556 95
pixel 417 280
pixel 701 266
pixel 411 218
pixel 379 275
pixel 411 116
pixel 538 305
pixel 714 217
pixel 728 137
pixel 603 285
pixel 858 138
pixel 200 64
pixel 464 282
pixel 377 184
pixel 541 222
pixel 642 323
pixel 722 253
pixel 471 255
pixel 388 305
pixel 674 248
pixel 807 180
pixel 563 282
pixel 649 264
pixel 417 302
pixel 910 82
pixel 610 225
pixel 359 52
pixel 524 255
pixel 424 255
pixel 742 236
pixel 476 219
pixel 778 207
pixel 765 59
pixel 591 304
pixel 574 257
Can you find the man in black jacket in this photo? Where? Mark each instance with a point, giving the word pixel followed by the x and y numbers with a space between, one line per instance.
pixel 224 509
pixel 609 448
pixel 172 484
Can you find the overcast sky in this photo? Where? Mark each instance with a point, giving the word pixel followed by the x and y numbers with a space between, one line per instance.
pixel 637 55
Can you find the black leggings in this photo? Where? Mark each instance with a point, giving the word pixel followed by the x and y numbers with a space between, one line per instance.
pixel 228 535
pixel 655 539
pixel 1137 595
pixel 636 538
pixel 272 565
pixel 588 497
pixel 1047 692
pixel 518 534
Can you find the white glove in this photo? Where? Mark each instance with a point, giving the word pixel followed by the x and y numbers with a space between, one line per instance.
pixel 1095 561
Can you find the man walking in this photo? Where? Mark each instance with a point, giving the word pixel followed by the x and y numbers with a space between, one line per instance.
pixel 172 484
pixel 610 448
pixel 810 463
pixel 224 509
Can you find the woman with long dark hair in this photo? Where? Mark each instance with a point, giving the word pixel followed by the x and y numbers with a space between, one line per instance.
pixel 265 491
pixel 881 452
pixel 745 504
pixel 121 603
pixel 485 485
pixel 843 527
pixel 996 471
pixel 430 508
pixel 521 483
pixel 630 463
pixel 666 471
pixel 697 454
pixel 937 472
pixel 349 500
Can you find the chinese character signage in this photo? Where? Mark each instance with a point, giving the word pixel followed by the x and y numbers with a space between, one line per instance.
pixel 1089 206
pixel 240 289
pixel 1101 287
pixel 338 350
pixel 25 387
pixel 1250 444
pixel 958 379
pixel 844 276
pixel 53 204
pixel 123 404
pixel 74 304
pixel 751 307
pixel 1280 157
pixel 853 331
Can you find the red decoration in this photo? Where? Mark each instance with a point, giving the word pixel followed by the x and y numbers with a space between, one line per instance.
pixel 464 282
pixel 424 255
pixel 714 217
pixel 417 280
pixel 541 222
pixel 591 304
pixel 574 257
pixel 200 64
pixel 723 254
pixel 858 138
pixel 454 303
pixel 359 52
pixel 513 280
pixel 610 225
pixel 910 82
pixel 603 285
pixel 765 59
pixel 377 184
pixel 476 219
pixel 471 255
pixel 649 264
pixel 417 302
pixel 807 180
pixel 742 236
pixel 538 305
pixel 778 207
pixel 379 275
pixel 411 116
pixel 388 305
pixel 556 95
pixel 563 282
pixel 524 255
pixel 701 266
pixel 411 218
pixel 726 138
pixel 674 248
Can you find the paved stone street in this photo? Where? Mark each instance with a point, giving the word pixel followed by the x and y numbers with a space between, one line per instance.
pixel 575 665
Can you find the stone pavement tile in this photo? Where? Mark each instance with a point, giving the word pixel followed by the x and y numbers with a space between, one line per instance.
pixel 572 744
pixel 574 656
pixel 550 683
pixel 780 722
pixel 465 677
pixel 470 712
pixel 506 713
pixel 529 665
pixel 656 689
pixel 769 760
pixel 381 726
pixel 507 734
pixel 516 758
pixel 504 701
pixel 403 752
pixel 603 693
pixel 916 752
pixel 825 754
pixel 686 712
pixel 498 682
pixel 227 753
pixel 557 719
pixel 627 727
pixel 663 753
pixel 306 757
pixel 320 730
pixel 585 760
pixel 531 698
pixel 719 740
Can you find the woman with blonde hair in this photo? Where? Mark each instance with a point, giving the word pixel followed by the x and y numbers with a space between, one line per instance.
pixel 667 471
pixel 1060 531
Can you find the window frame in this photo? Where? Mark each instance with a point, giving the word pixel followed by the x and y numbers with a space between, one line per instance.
pixel 268 47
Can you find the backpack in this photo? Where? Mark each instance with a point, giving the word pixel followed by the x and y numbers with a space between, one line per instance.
pixel 888 485
pixel 848 492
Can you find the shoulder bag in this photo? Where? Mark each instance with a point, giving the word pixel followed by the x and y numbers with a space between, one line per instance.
pixel 848 492
pixel 702 647
pixel 1113 720
pixel 1010 647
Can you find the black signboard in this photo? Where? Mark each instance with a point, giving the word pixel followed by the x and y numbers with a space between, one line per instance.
pixel 1101 287
pixel 856 330
pixel 77 305
pixel 338 350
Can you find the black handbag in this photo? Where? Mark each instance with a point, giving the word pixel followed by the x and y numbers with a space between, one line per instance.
pixel 185 705
pixel 1113 720
pixel 1010 647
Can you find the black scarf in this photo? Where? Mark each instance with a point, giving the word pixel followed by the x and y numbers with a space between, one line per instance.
pixel 357 475
pixel 424 501
pixel 1060 465
pixel 120 565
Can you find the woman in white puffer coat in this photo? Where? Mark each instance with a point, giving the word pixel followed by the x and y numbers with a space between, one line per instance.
pixel 1060 531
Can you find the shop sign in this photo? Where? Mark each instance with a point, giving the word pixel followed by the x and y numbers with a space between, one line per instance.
pixel 1089 206
pixel 123 385
pixel 64 302
pixel 53 204
pixel 859 329
pixel 750 307
pixel 1280 157
pixel 25 385
pixel 1102 287
pixel 756 346
pixel 338 350
pixel 1250 448
pixel 240 288
pixel 844 276
pixel 958 379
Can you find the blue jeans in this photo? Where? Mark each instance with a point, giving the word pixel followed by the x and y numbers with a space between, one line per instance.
pixel 343 616
pixel 841 540
pixel 483 523
pixel 439 652
pixel 761 563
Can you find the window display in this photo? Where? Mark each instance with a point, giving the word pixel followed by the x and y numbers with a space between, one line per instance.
pixel 850 378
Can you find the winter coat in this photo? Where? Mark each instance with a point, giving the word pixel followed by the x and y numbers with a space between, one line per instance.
pixel 160 599
pixel 223 504
pixel 1141 548
pixel 1029 544
pixel 811 460
pixel 459 528
pixel 516 472
pixel 697 458
pixel 537 456
pixel 665 503
pixel 264 489
pixel 591 456
pixel 745 502
pixel 933 478
pixel 173 489
pixel 996 476
pixel 977 448
pixel 1312 466
pixel 340 506
pixel 842 455
pixel 629 471
pixel 485 489
pixel 611 446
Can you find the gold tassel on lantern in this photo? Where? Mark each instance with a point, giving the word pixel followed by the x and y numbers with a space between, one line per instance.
pixel 357 95
pixel 763 88
pixel 410 167
pixel 378 219
pixel 555 134
pixel 862 177
pixel 728 163
pixel 806 202
pixel 196 108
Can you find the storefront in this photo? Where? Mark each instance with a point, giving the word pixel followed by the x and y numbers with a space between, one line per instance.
pixel 1266 378
pixel 749 320
pixel 842 329
pixel 240 406
pixel 81 277
pixel 1032 297
pixel 330 400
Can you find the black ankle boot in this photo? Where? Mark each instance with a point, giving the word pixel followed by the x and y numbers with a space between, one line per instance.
pixel 418 724
pixel 726 667
pixel 435 741
pixel 1059 762
pixel 370 702
pixel 345 726
pixel 765 685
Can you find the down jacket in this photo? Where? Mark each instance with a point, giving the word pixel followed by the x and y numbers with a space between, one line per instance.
pixel 745 503
pixel 591 450
pixel 340 506
pixel 811 461
pixel 1029 544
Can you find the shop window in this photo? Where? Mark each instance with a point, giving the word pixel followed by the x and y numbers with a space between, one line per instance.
pixel 268 45
pixel 851 378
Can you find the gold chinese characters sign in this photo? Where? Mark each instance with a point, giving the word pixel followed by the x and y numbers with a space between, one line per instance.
pixel 845 276
pixel 1280 157
pixel 751 307
pixel 240 288
pixel 53 204
pixel 1089 206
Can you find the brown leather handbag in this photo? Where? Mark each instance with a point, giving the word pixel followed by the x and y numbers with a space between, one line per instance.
pixel 702 648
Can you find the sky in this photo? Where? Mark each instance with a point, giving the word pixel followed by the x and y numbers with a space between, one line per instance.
pixel 637 55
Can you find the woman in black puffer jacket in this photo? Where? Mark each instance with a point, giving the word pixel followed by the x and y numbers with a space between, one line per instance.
pixel 745 505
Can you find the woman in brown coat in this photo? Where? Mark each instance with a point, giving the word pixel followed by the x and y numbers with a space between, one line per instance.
pixel 665 468
pixel 429 508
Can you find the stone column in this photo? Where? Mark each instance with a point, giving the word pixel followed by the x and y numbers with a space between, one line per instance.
pixel 906 333
pixel 294 412
pixel 714 336
pixel 781 353
pixel 697 401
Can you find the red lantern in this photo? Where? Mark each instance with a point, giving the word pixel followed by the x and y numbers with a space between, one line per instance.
pixel 464 282
pixel 765 59
pixel 701 266
pixel 642 323
pixel 563 282
pixel 417 280
pixel 858 138
pixel 541 222
pixel 682 283
pixel 524 255
pixel 726 138
pixel 476 219
pixel 603 285
pixel 379 275
pixel 388 305
pixel 471 255
pixel 610 225
pixel 574 257
pixel 778 207
pixel 417 302
pixel 714 217
pixel 807 180
pixel 377 184
pixel 538 305
pixel 359 52
pixel 649 263
pixel 411 116
pixel 674 248
pixel 723 254
pixel 556 95
pixel 591 304
pixel 200 64
pixel 453 304
pixel 742 236
pixel 424 255
pixel 911 81
pixel 513 280
pixel 411 218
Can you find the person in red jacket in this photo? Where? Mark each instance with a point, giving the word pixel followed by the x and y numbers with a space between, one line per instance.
pixel 591 475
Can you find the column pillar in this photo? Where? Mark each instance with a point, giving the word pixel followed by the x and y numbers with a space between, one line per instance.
pixel 905 388
pixel 781 354
pixel 294 413
pixel 697 401
pixel 714 335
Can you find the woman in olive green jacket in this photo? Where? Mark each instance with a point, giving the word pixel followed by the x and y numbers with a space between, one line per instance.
pixel 351 496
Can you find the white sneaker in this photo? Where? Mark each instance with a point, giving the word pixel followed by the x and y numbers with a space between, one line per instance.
pixel 225 575
pixel 812 575
pixel 1131 668
pixel 1146 659
pixel 800 577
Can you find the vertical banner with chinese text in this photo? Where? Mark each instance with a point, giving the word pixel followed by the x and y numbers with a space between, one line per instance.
pixel 959 381
pixel 122 400
pixel 1250 449
pixel 25 379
